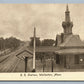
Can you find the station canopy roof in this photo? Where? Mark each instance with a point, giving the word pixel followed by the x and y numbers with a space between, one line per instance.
pixel 70 51
pixel 45 49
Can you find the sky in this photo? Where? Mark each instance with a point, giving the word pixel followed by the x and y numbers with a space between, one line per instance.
pixel 19 20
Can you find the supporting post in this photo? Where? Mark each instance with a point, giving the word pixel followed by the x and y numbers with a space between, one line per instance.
pixel 43 67
pixel 26 59
pixel 44 64
pixel 52 66
pixel 67 62
pixel 34 50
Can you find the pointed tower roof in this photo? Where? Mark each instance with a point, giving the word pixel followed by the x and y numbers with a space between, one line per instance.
pixel 67 24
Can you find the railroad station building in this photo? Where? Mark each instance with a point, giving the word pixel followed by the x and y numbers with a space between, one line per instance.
pixel 70 53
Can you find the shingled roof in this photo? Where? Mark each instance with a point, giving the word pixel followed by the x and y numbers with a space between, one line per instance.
pixel 72 45
pixel 72 41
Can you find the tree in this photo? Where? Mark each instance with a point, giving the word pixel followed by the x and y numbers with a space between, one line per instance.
pixel 12 43
pixel 48 42
pixel 1 43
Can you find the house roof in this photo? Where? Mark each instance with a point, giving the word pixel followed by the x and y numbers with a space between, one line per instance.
pixel 23 49
pixel 72 41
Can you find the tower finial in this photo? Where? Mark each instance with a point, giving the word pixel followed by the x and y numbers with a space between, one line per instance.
pixel 67 8
pixel 67 14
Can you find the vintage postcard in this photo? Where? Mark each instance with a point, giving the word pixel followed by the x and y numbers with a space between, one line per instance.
pixel 42 42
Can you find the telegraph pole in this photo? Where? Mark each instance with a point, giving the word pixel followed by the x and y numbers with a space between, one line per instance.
pixel 34 45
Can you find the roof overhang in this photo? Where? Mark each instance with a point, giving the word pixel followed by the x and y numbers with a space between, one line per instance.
pixel 69 51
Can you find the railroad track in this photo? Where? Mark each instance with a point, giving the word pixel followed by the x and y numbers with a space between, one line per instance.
pixel 13 66
pixel 3 59
pixel 10 63
pixel 7 63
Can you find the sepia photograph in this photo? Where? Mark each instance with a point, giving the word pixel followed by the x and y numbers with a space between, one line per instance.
pixel 41 38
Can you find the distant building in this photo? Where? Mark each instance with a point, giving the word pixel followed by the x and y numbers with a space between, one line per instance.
pixel 71 49
pixel 38 43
